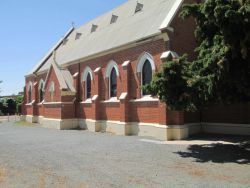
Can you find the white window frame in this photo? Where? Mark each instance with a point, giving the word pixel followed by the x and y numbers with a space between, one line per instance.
pixel 52 90
pixel 41 83
pixel 141 61
pixel 30 88
pixel 85 73
pixel 112 64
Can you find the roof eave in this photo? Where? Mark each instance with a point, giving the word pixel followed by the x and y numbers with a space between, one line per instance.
pixel 170 16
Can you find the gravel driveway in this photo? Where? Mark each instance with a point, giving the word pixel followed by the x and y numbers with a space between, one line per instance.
pixel 39 157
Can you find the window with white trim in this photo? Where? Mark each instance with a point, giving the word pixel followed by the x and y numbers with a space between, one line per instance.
pixel 30 92
pixel 145 67
pixel 41 90
pixel 113 83
pixel 146 75
pixel 112 72
pixel 88 86
pixel 52 91
pixel 87 78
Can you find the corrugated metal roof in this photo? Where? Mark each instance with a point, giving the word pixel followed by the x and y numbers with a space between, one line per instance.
pixel 129 27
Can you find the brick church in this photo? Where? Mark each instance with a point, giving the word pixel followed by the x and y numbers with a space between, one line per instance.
pixel 91 79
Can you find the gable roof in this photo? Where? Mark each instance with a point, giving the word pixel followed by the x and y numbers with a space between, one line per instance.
pixel 64 78
pixel 129 27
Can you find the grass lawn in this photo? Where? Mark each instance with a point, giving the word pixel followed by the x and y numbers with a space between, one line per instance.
pixel 23 123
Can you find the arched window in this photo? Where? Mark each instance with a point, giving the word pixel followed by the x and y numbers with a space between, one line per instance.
pixel 41 90
pixel 146 75
pixel 88 86
pixel 52 91
pixel 113 83
pixel 87 78
pixel 145 67
pixel 112 72
pixel 30 92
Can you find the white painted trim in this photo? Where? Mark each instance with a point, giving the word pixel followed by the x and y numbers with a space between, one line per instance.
pixel 40 84
pixel 41 103
pixel 171 14
pixel 30 89
pixel 111 100
pixel 146 98
pixel 123 96
pixel 87 101
pixel 142 59
pixel 125 64
pixel 112 64
pixel 76 74
pixel 97 69
pixel 166 55
pixel 31 103
pixel 94 98
pixel 85 73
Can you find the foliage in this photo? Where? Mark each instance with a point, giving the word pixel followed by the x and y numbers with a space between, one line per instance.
pixel 11 106
pixel 19 102
pixel 221 72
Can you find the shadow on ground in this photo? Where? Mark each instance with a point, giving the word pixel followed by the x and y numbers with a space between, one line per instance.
pixel 236 150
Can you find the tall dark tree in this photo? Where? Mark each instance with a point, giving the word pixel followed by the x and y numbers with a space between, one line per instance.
pixel 221 72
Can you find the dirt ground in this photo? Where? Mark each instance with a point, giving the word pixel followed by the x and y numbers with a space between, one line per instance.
pixel 31 156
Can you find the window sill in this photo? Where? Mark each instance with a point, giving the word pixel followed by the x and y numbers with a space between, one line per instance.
pixel 146 98
pixel 112 100
pixel 87 101
pixel 41 103
pixel 31 103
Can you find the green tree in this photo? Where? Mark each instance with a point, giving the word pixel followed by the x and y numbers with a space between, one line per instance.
pixel 3 106
pixel 11 106
pixel 221 72
pixel 19 102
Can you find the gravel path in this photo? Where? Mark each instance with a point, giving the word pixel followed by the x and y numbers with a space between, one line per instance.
pixel 38 157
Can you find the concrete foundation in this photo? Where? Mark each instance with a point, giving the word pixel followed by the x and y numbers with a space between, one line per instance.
pixel 160 132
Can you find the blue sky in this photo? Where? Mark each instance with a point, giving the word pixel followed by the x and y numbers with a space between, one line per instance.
pixel 29 28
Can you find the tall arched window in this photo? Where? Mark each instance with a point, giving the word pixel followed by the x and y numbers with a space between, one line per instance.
pixel 146 75
pixel 52 91
pixel 41 91
pixel 145 68
pixel 30 92
pixel 112 72
pixel 88 86
pixel 87 78
pixel 113 83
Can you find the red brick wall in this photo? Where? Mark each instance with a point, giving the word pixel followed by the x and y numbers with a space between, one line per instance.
pixel 68 111
pixel 29 110
pixel 57 93
pixel 52 111
pixel 86 111
pixel 110 111
pixel 154 48
pixel 182 40
pixel 40 110
pixel 146 112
